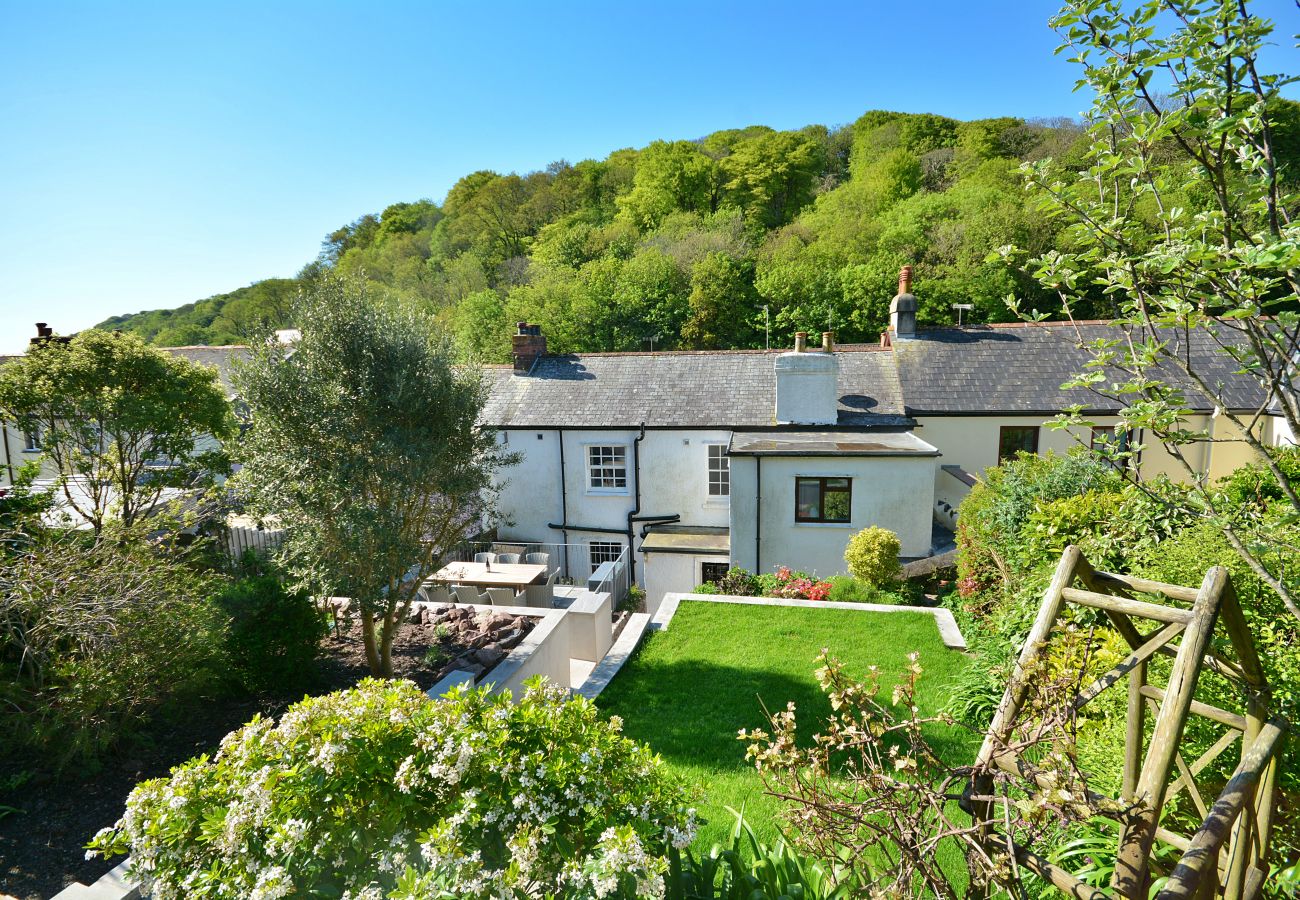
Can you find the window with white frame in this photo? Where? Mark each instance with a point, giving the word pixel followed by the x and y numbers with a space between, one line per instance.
pixel 603 552
pixel 719 471
pixel 32 440
pixel 607 468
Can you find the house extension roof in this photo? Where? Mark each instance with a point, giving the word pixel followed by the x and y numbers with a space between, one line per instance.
pixel 1019 368
pixel 829 443
pixel 718 389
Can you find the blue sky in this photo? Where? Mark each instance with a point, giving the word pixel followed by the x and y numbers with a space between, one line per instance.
pixel 155 154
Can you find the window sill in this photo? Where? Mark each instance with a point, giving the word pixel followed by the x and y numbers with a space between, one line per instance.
pixel 823 525
pixel 608 492
pixel 721 502
pixel 32 450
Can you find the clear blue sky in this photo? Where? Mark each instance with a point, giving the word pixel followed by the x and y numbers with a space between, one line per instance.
pixel 155 154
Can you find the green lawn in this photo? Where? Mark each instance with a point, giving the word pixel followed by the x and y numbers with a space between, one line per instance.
pixel 690 689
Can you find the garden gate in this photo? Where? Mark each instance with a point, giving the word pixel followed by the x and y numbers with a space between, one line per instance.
pixel 1228 854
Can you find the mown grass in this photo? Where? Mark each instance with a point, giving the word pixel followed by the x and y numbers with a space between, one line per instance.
pixel 690 689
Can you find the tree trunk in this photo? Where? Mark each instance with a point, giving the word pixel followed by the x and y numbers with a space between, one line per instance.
pixel 386 644
pixel 368 639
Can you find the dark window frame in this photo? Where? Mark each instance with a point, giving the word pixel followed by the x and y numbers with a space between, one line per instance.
pixel 1003 434
pixel 32 441
pixel 720 568
pixel 822 491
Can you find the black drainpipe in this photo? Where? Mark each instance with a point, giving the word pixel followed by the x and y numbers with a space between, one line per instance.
pixel 758 514
pixel 564 504
pixel 636 509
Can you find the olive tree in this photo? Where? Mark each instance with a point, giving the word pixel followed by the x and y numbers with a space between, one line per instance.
pixel 364 443
pixel 1182 217
pixel 120 421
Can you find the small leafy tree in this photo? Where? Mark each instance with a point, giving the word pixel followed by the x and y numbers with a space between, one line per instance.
pixel 872 555
pixel 94 636
pixel 379 792
pixel 364 443
pixel 1182 217
pixel 121 421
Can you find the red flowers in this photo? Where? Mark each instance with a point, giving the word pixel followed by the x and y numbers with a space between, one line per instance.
pixel 799 586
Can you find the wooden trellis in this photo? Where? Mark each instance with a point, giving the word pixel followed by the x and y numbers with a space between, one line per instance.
pixel 1228 855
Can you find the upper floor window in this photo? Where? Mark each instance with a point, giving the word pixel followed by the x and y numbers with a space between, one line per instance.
pixel 823 499
pixel 32 440
pixel 719 471
pixel 1013 439
pixel 607 468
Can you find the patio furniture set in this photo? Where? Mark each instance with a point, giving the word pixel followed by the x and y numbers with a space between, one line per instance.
pixel 495 579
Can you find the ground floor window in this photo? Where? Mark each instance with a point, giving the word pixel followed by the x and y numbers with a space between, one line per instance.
pixel 713 572
pixel 32 440
pixel 823 499
pixel 603 552
pixel 1013 439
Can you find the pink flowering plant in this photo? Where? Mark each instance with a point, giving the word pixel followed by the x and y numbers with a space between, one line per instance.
pixel 795 585
pixel 379 793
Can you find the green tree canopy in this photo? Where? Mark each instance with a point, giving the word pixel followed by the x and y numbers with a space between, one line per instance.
pixel 364 443
pixel 121 421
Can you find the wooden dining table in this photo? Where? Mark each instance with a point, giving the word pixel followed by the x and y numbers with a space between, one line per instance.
pixel 511 575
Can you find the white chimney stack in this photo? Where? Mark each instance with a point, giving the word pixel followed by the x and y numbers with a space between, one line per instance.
pixel 807 392
pixel 902 311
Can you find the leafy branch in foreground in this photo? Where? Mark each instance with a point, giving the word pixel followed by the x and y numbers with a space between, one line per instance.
pixel 874 801
pixel 1183 217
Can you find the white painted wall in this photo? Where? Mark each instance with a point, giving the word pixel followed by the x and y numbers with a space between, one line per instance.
pixel 674 481
pixel 891 492
pixel 667 573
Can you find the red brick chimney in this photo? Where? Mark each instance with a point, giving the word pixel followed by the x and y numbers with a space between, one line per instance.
pixel 527 344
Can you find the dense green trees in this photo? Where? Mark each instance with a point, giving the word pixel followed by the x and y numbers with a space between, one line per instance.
pixel 362 444
pixel 686 242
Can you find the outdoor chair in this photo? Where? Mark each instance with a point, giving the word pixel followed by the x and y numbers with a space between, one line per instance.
pixel 467 594
pixel 508 558
pixel 437 594
pixel 485 557
pixel 502 596
pixel 541 596
pixel 538 559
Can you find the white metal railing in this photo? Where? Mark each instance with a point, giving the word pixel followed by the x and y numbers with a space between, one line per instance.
pixel 574 564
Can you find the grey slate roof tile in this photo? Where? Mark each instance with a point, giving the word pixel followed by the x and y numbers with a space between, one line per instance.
pixel 676 389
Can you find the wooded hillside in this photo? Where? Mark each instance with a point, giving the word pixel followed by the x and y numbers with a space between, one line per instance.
pixel 686 242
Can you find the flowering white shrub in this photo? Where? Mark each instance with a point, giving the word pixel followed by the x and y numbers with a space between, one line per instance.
pixel 379 792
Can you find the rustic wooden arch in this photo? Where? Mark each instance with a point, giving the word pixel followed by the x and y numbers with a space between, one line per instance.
pixel 1228 855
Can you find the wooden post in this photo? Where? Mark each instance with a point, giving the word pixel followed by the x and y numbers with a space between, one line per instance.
pixel 1132 870
pixel 1135 733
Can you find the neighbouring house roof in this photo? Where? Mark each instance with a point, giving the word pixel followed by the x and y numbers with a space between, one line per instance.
pixel 1019 368
pixel 221 358
pixel 687 539
pixel 719 389
pixel 829 443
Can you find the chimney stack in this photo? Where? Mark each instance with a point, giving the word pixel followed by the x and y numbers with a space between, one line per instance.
pixel 902 311
pixel 807 384
pixel 527 344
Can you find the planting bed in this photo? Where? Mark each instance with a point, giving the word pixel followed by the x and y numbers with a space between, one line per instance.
pixel 42 841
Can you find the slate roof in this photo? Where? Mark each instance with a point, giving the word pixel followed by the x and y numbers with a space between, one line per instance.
pixel 735 389
pixel 1019 368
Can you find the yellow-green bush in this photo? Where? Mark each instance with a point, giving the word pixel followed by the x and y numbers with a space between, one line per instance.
pixel 872 555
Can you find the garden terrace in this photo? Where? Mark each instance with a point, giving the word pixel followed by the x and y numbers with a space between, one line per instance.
pixel 693 685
